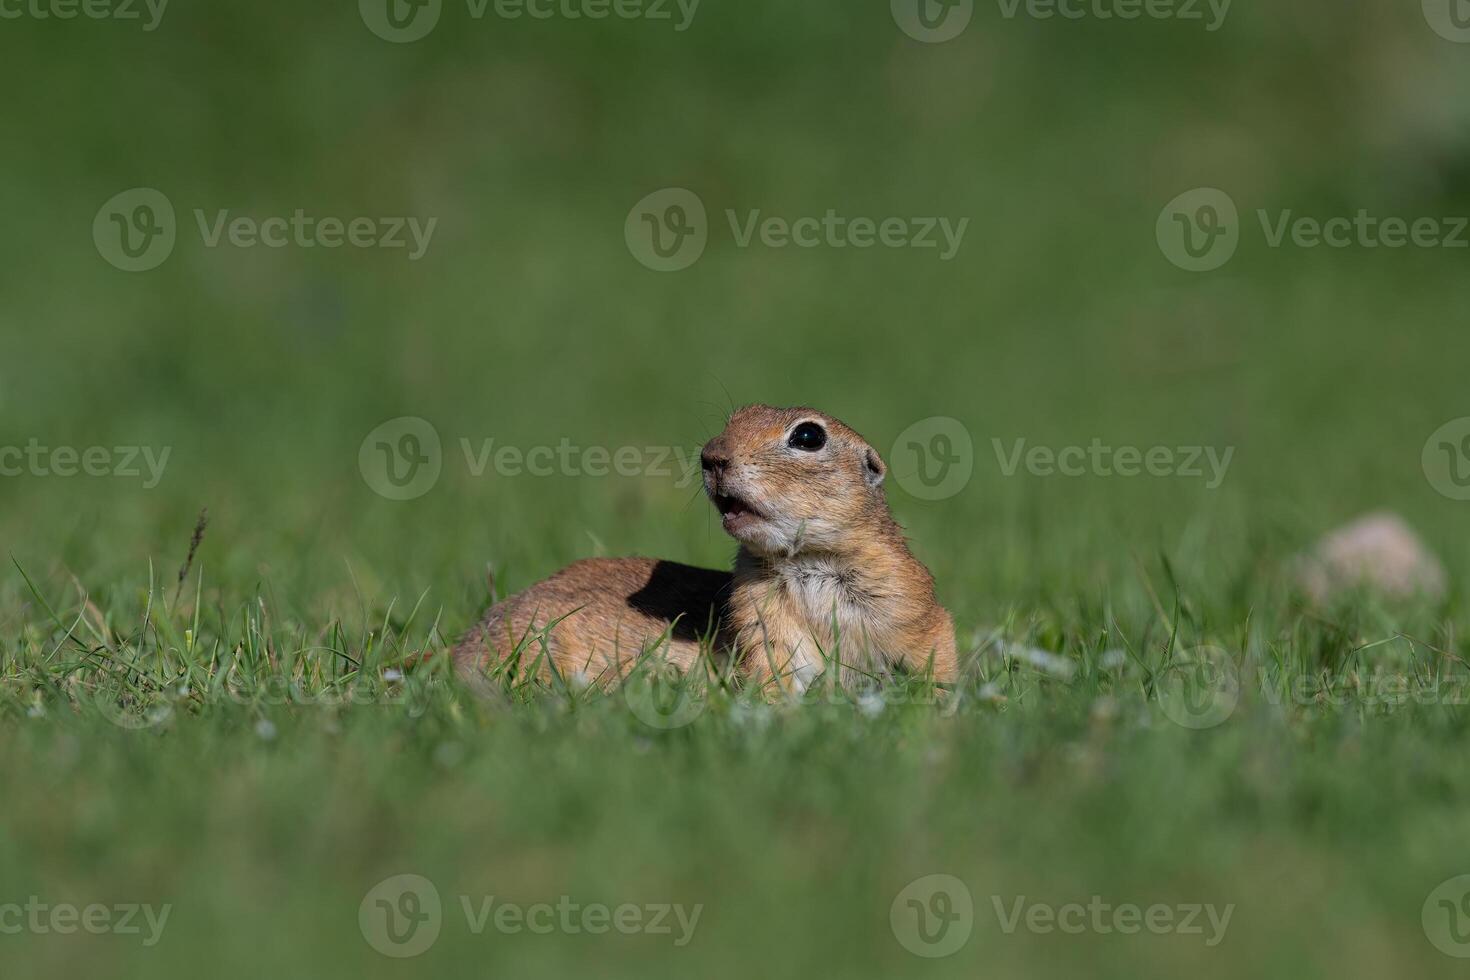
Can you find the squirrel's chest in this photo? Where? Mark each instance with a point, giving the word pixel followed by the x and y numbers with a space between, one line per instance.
pixel 804 616
pixel 822 602
pixel 819 597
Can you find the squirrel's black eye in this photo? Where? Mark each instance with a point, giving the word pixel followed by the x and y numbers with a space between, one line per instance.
pixel 808 436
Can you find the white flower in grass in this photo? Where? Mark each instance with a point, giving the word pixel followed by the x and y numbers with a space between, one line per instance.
pixel 265 730
pixel 1043 660
pixel 871 704
pixel 392 675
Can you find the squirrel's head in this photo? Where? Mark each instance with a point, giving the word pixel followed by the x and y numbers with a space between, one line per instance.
pixel 789 480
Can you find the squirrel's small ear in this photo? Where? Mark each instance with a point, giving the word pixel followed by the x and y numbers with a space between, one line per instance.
pixel 873 468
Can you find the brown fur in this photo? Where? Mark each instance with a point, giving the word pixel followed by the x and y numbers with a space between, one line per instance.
pixel 823 570
pixel 611 611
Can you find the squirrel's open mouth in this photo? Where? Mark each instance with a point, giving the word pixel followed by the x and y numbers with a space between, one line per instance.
pixel 733 507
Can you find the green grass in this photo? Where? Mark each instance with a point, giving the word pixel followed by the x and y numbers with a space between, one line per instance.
pixel 261 779
pixel 241 745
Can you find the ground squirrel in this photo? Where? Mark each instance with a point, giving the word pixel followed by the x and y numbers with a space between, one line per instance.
pixel 823 572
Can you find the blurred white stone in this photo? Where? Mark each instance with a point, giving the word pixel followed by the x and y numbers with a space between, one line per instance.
pixel 1379 553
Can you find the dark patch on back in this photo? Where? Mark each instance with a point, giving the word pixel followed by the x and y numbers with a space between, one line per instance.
pixel 691 598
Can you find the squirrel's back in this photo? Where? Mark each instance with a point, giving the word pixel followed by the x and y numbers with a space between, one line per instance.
pixel 597 616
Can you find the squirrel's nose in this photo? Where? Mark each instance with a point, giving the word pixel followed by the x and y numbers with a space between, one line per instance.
pixel 714 457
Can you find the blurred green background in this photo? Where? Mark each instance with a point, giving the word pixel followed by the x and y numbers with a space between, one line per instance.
pixel 529 321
